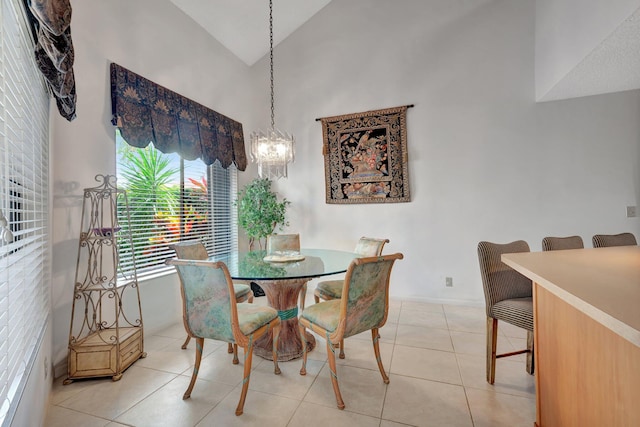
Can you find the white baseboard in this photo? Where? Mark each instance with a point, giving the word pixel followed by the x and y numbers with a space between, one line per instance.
pixel 60 368
pixel 448 301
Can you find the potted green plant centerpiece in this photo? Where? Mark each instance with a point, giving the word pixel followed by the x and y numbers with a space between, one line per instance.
pixel 259 211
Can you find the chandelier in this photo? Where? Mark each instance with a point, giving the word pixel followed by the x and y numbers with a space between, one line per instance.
pixel 272 150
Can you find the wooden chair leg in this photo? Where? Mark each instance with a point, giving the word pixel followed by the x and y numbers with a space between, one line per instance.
pixel 186 342
pixel 303 369
pixel 234 350
pixel 331 353
pixel 492 341
pixel 248 357
pixel 274 349
pixel 196 367
pixel 530 358
pixel 375 336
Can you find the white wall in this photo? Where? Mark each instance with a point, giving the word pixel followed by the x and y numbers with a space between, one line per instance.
pixel 486 161
pixel 154 39
pixel 32 408
pixel 567 31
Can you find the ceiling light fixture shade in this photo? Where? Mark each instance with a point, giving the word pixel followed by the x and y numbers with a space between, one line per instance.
pixel 272 150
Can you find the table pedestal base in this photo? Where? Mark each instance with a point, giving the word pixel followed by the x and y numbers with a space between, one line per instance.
pixel 283 296
pixel 293 348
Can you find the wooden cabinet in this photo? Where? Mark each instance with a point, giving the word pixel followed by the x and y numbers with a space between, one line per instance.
pixel 587 334
pixel 106 332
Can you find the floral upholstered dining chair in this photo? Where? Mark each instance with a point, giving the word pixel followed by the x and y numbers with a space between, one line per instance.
pixel 283 242
pixel 210 311
pixel 287 242
pixel 195 249
pixel 364 305
pixel 332 289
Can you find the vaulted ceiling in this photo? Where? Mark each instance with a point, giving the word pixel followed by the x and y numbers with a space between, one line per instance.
pixel 242 26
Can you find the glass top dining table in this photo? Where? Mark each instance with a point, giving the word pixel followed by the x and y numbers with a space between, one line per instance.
pixel 251 266
pixel 282 283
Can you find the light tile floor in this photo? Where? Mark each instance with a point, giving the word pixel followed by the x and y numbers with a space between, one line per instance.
pixel 434 355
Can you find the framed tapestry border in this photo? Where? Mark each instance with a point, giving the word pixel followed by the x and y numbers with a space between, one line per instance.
pixel 365 157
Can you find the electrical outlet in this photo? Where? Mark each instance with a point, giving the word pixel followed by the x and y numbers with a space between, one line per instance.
pixel 448 281
pixel 631 212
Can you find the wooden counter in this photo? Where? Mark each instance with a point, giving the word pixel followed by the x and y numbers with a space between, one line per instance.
pixel 587 335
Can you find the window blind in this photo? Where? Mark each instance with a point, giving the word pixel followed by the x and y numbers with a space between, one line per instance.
pixel 24 170
pixel 224 188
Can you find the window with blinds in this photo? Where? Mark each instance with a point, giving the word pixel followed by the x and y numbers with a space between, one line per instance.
pixel 172 200
pixel 24 222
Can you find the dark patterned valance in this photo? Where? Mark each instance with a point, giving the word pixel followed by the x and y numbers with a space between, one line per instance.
pixel 51 23
pixel 147 112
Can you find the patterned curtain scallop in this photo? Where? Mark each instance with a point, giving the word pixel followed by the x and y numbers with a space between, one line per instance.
pixel 147 112
pixel 51 25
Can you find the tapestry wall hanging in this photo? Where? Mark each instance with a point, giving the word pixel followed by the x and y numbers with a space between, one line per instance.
pixel 365 157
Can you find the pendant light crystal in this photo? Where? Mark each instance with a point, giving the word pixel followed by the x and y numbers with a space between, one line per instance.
pixel 272 150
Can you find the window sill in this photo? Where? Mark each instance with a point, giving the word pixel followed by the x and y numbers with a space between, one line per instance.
pixel 153 275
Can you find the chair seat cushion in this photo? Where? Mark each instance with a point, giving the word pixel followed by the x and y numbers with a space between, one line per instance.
pixel 330 289
pixel 324 314
pixel 252 317
pixel 516 311
pixel 241 291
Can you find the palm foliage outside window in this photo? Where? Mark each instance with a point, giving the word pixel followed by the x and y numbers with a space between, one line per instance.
pixel 170 200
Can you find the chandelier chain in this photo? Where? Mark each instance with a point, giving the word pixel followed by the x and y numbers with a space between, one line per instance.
pixel 271 61
pixel 272 150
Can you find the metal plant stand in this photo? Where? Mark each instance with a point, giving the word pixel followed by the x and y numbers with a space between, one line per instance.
pixel 106 334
